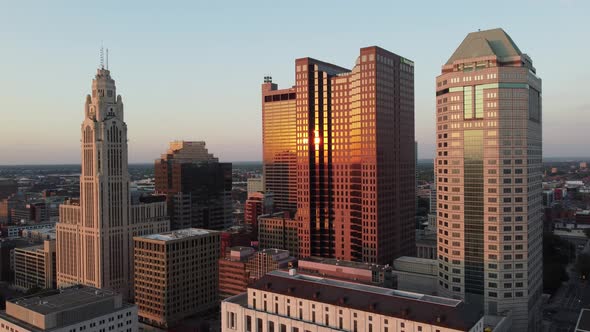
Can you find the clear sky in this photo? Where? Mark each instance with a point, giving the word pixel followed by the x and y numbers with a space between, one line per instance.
pixel 192 70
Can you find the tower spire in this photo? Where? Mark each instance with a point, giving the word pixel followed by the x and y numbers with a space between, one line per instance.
pixel 101 56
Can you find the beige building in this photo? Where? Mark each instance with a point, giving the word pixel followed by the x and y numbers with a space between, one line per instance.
pixel 68 310
pixel 282 302
pixel 94 235
pixel 255 185
pixel 489 173
pixel 35 266
pixel 176 275
pixel 278 231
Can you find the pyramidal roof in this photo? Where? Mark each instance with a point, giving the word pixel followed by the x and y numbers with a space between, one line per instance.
pixel 485 43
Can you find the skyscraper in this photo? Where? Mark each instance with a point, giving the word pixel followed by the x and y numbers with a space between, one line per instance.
pixel 279 155
pixel 489 170
pixel 94 235
pixel 197 186
pixel 355 157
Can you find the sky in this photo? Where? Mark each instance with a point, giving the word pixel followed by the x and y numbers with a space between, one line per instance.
pixel 192 70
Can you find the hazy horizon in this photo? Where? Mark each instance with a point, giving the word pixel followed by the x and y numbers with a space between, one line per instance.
pixel 193 71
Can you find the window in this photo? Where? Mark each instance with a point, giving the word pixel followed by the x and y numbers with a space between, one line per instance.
pixel 271 326
pixel 248 324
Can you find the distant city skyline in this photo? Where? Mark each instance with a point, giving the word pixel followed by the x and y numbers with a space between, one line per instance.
pixel 193 72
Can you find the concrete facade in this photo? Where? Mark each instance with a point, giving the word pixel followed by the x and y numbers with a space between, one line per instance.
pixel 95 234
pixel 489 173
pixel 283 302
pixel 72 309
pixel 35 266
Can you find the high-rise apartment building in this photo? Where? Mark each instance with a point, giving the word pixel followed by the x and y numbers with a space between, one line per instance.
pixel 279 148
pixel 489 170
pixel 355 158
pixel 176 275
pixel 95 234
pixel 197 186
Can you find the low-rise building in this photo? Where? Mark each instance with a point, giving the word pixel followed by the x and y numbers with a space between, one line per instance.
pixel 282 301
pixel 35 266
pixel 372 274
pixel 73 309
pixel 278 231
pixel 41 234
pixel 415 274
pixel 233 275
pixel 176 275
pixel 242 266
pixel 426 244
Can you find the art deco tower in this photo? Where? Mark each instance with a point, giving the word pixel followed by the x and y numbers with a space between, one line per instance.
pixel 488 177
pixel 94 236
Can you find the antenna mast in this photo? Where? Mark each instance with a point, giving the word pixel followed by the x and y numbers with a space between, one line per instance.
pixel 107 59
pixel 101 56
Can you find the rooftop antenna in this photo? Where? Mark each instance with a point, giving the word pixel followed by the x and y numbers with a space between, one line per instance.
pixel 101 56
pixel 107 59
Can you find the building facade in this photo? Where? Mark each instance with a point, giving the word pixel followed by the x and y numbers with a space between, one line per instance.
pixel 256 205
pixel 489 173
pixel 242 266
pixel 233 275
pixel 197 186
pixel 72 309
pixel 356 158
pixel 279 148
pixel 290 302
pixel 35 266
pixel 95 234
pixel 176 275
pixel 278 231
pixel 255 184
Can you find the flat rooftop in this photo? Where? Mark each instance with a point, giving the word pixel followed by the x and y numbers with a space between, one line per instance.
pixel 416 260
pixel 439 311
pixel 338 262
pixel 56 300
pixel 179 234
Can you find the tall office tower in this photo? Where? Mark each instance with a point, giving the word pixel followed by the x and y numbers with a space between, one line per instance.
pixel 279 150
pixel 355 158
pixel 94 235
pixel 197 186
pixel 489 178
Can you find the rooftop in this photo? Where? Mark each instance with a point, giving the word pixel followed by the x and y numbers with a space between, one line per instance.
pixel 427 309
pixel 494 42
pixel 356 265
pixel 56 300
pixel 178 234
